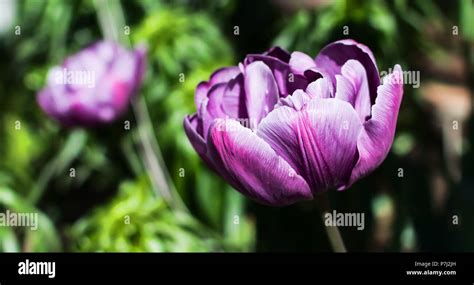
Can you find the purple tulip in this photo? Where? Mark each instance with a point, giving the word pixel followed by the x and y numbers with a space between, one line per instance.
pixel 94 86
pixel 284 127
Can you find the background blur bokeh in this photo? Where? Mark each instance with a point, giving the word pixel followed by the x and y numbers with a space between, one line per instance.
pixel 90 186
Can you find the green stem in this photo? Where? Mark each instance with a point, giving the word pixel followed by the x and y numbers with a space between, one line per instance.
pixel 152 156
pixel 71 149
pixel 333 233
pixel 111 21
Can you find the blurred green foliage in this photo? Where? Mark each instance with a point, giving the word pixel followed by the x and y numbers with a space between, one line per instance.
pixel 136 221
pixel 44 239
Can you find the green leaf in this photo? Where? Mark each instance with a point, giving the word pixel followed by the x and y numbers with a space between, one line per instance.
pixel 44 238
pixel 136 221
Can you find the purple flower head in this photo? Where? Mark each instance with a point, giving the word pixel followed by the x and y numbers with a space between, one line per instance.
pixel 93 86
pixel 284 127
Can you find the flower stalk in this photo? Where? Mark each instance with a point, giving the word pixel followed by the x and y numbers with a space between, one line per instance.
pixel 110 16
pixel 334 236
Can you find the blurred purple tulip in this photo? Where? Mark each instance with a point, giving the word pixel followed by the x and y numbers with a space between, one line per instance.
pixel 284 127
pixel 94 86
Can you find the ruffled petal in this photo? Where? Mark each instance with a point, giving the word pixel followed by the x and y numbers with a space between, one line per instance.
pixel 352 86
pixel 262 174
pixel 261 91
pixel 300 62
pixel 211 107
pixel 333 56
pixel 197 141
pixel 224 74
pixel 233 101
pixel 278 53
pixel 295 101
pixel 214 105
pixel 224 100
pixel 376 138
pixel 319 141
pixel 200 94
pixel 286 80
pixel 320 88
pixel 191 124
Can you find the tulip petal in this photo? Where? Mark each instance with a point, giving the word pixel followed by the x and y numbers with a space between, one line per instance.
pixel 295 101
pixel 197 141
pixel 224 74
pixel 233 101
pixel 319 141
pixel 200 94
pixel 300 62
pixel 376 138
pixel 125 66
pixel 261 91
pixel 262 174
pixel 215 97
pixel 211 107
pixel 352 86
pixel 94 58
pixel 278 53
pixel 112 97
pixel 333 56
pixel 221 75
pixel 191 124
pixel 313 74
pixel 225 100
pixel 319 89
pixel 286 80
